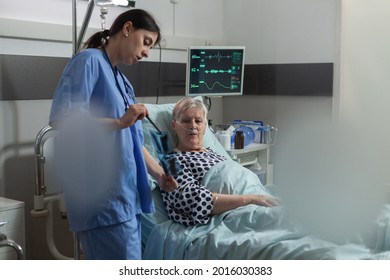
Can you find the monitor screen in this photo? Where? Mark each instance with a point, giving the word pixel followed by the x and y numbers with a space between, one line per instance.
pixel 215 71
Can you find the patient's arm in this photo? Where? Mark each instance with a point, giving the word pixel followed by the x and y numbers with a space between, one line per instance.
pixel 225 202
pixel 167 183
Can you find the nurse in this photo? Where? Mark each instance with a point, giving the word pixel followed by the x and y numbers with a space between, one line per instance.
pixel 104 166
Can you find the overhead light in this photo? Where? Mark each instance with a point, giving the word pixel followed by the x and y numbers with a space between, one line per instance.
pixel 121 3
pixel 107 3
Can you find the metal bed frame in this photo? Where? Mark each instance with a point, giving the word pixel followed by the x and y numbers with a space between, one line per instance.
pixel 43 203
pixel 5 242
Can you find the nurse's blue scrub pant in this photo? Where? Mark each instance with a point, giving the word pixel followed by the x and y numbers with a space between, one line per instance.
pixel 116 242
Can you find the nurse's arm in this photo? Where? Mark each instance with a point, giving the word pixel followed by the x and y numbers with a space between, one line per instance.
pixel 134 113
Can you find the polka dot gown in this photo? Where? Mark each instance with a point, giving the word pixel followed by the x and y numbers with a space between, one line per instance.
pixel 191 203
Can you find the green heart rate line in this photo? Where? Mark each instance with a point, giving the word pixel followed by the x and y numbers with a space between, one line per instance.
pixel 236 57
pixel 213 71
pixel 218 56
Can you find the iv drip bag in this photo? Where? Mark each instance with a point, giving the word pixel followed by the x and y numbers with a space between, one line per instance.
pixel 104 4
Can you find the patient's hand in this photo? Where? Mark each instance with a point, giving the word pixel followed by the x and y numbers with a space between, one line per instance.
pixel 168 183
pixel 262 200
pixel 225 202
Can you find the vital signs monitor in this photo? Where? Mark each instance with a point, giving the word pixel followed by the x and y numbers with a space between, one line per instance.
pixel 215 70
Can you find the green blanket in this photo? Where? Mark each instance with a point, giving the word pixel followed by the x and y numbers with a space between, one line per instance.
pixel 249 232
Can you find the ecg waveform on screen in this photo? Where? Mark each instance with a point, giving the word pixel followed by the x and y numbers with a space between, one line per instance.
pixel 215 71
pixel 218 56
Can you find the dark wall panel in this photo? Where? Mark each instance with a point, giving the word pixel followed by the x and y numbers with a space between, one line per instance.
pixel 309 79
pixel 144 78
pixel 36 77
pixel 29 77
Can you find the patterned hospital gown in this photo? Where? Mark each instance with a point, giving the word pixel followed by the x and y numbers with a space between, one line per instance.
pixel 191 203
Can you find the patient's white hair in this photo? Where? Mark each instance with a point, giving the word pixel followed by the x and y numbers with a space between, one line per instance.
pixel 186 104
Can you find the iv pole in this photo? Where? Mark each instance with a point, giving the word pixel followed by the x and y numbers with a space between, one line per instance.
pixel 77 41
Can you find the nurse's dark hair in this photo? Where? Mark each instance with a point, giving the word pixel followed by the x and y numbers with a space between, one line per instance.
pixel 140 20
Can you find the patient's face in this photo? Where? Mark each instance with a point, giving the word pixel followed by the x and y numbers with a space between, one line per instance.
pixel 190 128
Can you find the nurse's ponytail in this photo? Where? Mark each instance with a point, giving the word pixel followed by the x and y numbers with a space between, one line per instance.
pixel 140 20
pixel 97 40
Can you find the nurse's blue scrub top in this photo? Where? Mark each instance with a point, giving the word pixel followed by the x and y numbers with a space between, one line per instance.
pixel 88 83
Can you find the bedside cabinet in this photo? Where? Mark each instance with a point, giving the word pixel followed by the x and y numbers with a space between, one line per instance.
pixel 12 225
pixel 255 154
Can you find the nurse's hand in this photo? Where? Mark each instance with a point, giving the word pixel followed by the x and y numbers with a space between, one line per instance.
pixel 134 113
pixel 168 183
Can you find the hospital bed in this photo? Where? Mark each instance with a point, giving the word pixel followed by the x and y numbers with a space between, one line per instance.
pixel 250 232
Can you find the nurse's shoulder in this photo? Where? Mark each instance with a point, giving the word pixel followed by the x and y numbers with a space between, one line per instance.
pixel 88 58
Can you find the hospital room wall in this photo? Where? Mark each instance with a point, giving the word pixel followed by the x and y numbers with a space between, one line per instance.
pixel 364 77
pixel 20 120
pixel 353 35
pixel 282 32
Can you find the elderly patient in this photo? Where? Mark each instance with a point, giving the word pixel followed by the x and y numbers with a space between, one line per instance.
pixel 192 203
